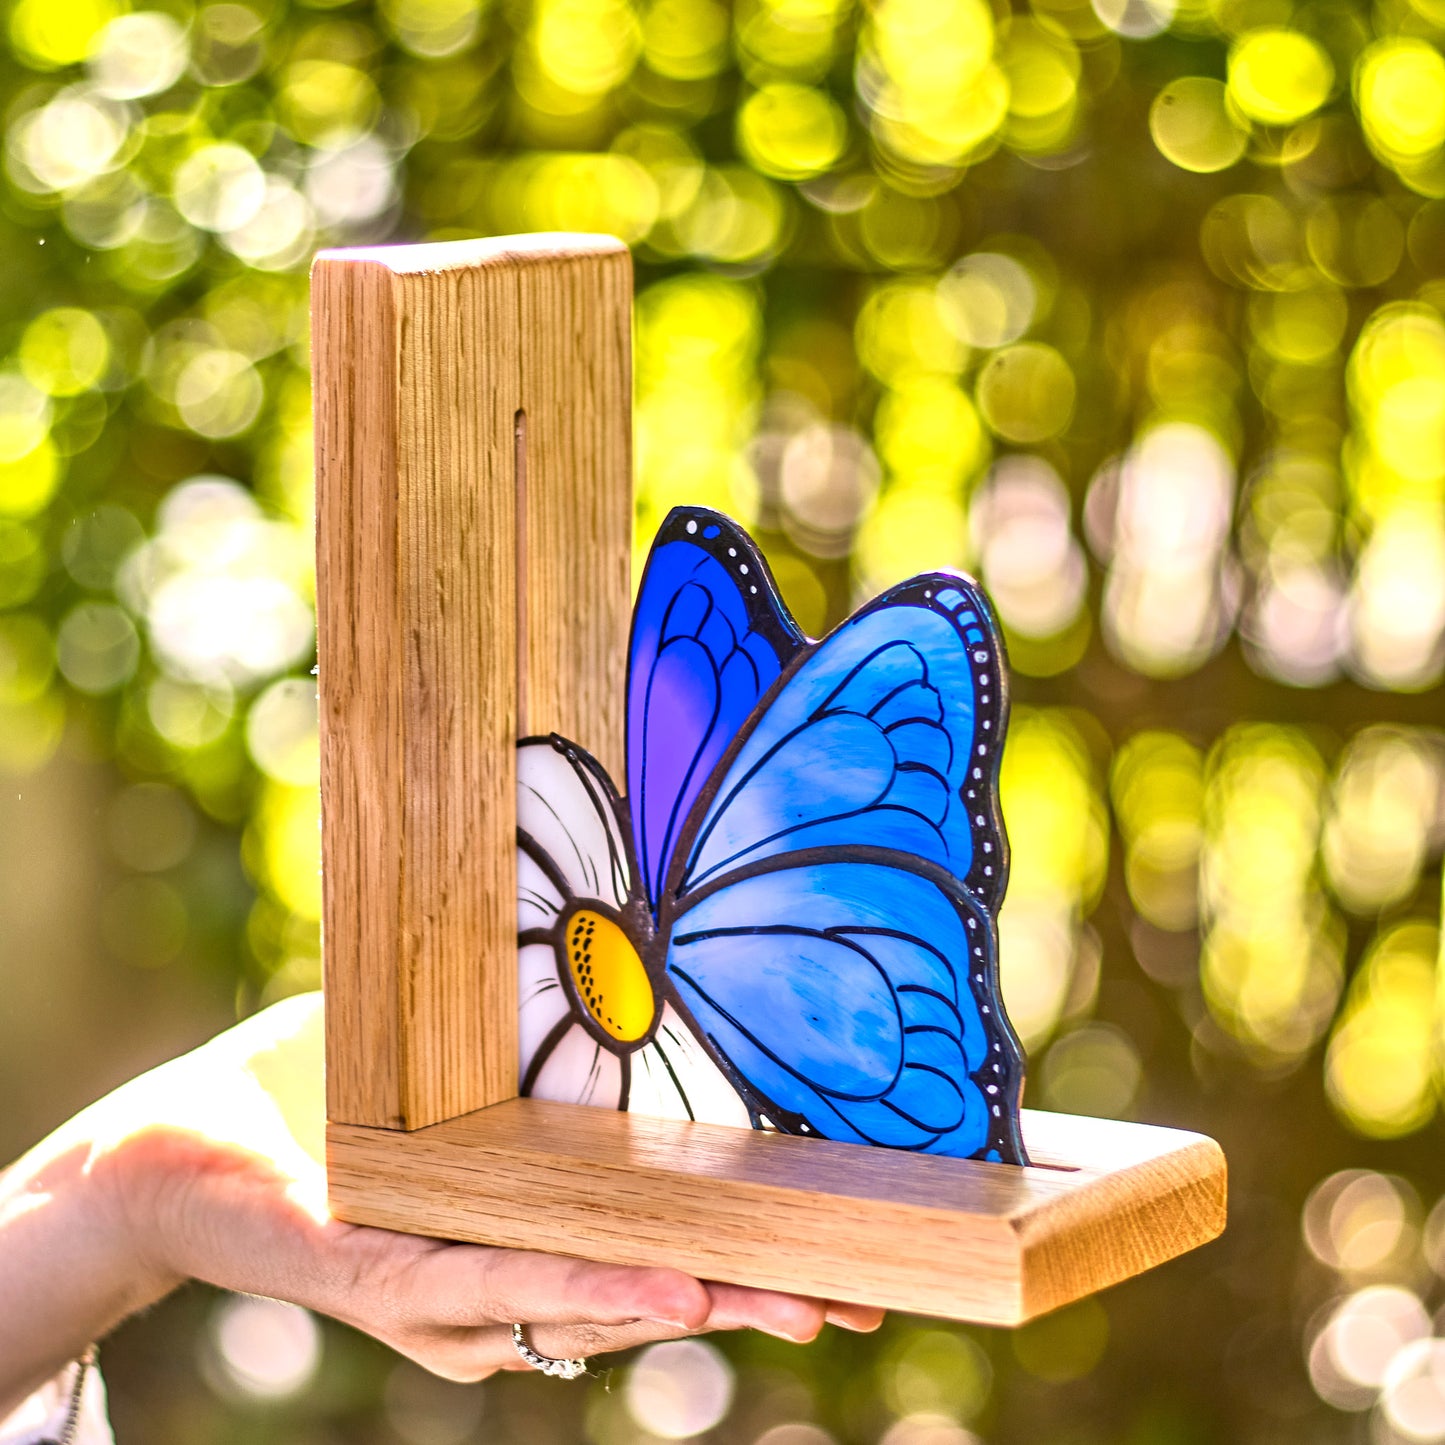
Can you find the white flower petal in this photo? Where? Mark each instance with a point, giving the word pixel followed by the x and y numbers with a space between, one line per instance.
pixel 538 901
pixel 674 1078
pixel 564 809
pixel 580 1071
pixel 542 1000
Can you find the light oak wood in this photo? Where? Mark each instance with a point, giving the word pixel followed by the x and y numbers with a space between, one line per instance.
pixel 991 1243
pixel 450 380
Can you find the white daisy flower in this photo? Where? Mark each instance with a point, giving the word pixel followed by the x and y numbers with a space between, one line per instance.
pixel 596 1024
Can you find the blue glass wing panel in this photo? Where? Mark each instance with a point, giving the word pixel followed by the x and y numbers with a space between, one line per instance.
pixel 856 1000
pixel 710 635
pixel 886 734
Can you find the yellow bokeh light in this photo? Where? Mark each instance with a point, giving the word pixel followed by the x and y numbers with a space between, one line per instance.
pixel 1272 961
pixel 1383 814
pixel 1157 787
pixel 1262 810
pixel 283 846
pixel 1400 91
pixel 1042 69
pixel 1026 392
pixel 586 46
pixel 64 351
pixel 326 103
pixel 1059 836
pixel 27 658
pixel 1380 1068
pixel 1397 385
pixel 902 331
pixel 29 482
pixel 433 28
pixel 698 339
pixel 1192 126
pixel 791 131
pixel 941 1372
pixel 48 35
pixel 988 299
pixel 685 39
pixel 1279 76
pixel 929 429
pixel 1054 810
pixel 934 47
pixel 736 216
pixel 1273 984
pixel 567 191
pixel 936 92
pixel 1304 326
pixel 30 732
pixel 911 529
pixel 795 37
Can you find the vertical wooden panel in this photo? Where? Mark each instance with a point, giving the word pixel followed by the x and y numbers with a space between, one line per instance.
pixel 353 340
pixel 577 524
pixel 424 357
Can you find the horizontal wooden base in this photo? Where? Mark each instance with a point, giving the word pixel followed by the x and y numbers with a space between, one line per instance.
pixel 990 1243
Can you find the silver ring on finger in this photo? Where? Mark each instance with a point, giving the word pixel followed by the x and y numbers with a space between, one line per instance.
pixel 558 1369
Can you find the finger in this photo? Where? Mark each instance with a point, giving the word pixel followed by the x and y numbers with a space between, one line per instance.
pixel 504 1285
pixel 468 1355
pixel 584 1342
pixel 788 1316
pixel 863 1318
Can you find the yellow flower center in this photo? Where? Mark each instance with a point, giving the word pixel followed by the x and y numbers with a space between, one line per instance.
pixel 609 976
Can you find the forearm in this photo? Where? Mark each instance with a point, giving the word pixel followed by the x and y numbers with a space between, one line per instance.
pixel 67 1273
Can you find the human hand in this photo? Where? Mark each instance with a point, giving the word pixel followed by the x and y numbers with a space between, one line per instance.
pixel 212 1167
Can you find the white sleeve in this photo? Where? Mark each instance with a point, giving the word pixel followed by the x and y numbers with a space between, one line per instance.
pixel 42 1417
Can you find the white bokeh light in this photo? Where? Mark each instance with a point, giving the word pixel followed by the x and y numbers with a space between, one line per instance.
pixel 1397 604
pixel 221 587
pixel 263 1349
pixel 1368 1330
pixel 1162 515
pixel 351 185
pixel 219 187
pixel 74 138
pixel 679 1389
pixel 1032 564
pixel 1413 1398
pixel 139 54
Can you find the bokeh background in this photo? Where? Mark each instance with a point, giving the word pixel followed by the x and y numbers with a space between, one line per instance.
pixel 1132 307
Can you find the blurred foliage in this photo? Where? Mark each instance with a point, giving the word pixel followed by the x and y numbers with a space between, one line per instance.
pixel 1132 307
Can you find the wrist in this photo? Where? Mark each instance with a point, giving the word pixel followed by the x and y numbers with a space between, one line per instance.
pixel 67 1273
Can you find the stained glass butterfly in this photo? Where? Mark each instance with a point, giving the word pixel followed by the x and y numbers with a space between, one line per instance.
pixel 789 923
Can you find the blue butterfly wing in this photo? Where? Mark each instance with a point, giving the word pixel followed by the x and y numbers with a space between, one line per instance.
pixel 856 998
pixel 887 734
pixel 710 636
pixel 829 913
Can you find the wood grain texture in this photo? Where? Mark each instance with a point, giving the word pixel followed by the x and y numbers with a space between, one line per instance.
pixel 423 358
pixel 577 522
pixel 991 1243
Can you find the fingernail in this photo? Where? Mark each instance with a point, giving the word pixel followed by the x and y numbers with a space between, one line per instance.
pixel 848 1322
pixel 781 1334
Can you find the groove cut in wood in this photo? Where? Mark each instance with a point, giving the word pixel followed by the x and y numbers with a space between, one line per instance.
pixel 473 460
pixel 990 1243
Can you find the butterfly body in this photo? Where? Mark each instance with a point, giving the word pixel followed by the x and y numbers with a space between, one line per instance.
pixel 798 896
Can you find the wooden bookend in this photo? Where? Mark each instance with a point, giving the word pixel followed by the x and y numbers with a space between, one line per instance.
pixel 473 422
pixel 473 432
